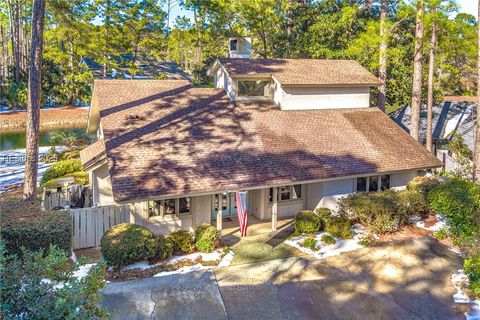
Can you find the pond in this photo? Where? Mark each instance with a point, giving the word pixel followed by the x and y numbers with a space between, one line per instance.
pixel 17 140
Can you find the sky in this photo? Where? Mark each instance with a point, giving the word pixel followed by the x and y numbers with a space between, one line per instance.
pixel 467 6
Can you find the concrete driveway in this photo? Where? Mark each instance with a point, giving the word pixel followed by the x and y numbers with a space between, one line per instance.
pixel 403 279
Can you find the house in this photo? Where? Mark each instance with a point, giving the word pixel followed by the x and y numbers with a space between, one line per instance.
pixel 453 115
pixel 123 66
pixel 294 134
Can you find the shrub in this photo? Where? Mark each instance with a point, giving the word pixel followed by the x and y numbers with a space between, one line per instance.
pixel 459 201
pixel 323 213
pixel 367 240
pixel 339 227
pixel 26 295
pixel 182 241
pixel 441 234
pixel 80 177
pixel 472 270
pixel 307 222
pixel 310 243
pixel 206 237
pixel 328 239
pixel 422 184
pixel 383 211
pixel 412 203
pixel 24 224
pixel 61 168
pixel 164 248
pixel 127 243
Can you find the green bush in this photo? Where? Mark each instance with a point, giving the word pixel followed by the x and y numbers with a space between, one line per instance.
pixel 328 239
pixel 26 295
pixel 80 177
pixel 164 248
pixel 24 224
pixel 61 168
pixel 127 243
pixel 310 243
pixel 367 240
pixel 339 227
pixel 183 241
pixel 307 222
pixel 422 184
pixel 459 201
pixel 206 237
pixel 441 234
pixel 323 213
pixel 383 211
pixel 472 270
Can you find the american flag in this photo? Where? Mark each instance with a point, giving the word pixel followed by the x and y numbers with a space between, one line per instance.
pixel 241 198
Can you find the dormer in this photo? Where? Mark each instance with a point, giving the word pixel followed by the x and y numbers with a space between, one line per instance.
pixel 296 84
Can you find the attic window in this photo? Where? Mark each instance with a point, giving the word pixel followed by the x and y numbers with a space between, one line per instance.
pixel 233 44
pixel 253 88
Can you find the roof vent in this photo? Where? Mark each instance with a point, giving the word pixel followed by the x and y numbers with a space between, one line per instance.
pixel 240 47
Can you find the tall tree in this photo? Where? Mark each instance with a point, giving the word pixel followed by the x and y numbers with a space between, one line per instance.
pixel 431 73
pixel 33 104
pixel 417 73
pixel 476 152
pixel 382 70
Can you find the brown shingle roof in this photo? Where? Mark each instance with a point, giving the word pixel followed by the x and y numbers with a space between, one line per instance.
pixel 93 154
pixel 165 139
pixel 303 71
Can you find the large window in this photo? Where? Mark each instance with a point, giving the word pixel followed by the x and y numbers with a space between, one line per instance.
pixel 374 183
pixel 253 88
pixel 286 193
pixel 166 207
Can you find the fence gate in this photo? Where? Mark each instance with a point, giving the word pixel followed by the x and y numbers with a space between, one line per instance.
pixel 89 224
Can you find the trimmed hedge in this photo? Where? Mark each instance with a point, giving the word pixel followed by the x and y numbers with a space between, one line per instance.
pixel 323 213
pixel 127 243
pixel 339 227
pixel 206 237
pixel 61 168
pixel 422 184
pixel 307 222
pixel 182 241
pixel 24 224
pixel 164 248
pixel 459 201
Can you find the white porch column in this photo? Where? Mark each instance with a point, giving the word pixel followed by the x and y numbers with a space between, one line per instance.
pixel 219 214
pixel 274 209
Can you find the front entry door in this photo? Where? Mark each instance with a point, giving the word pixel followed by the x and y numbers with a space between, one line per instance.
pixel 229 205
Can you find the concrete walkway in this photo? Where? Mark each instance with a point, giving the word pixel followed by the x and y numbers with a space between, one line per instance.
pixel 402 279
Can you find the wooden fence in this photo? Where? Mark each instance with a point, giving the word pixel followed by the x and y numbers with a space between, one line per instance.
pixel 61 198
pixel 89 224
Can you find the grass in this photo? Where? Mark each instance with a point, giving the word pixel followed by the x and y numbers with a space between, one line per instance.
pixel 262 247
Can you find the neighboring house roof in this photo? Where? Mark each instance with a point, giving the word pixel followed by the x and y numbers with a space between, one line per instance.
pixel 144 68
pixel 164 138
pixel 448 117
pixel 301 71
pixel 93 154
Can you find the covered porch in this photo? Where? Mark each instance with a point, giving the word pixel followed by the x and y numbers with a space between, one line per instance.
pixel 255 226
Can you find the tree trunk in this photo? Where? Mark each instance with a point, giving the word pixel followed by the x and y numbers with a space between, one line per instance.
pixel 382 70
pixel 431 73
pixel 476 152
pixel 33 105
pixel 417 73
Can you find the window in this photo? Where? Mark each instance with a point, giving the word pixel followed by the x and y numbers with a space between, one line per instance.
pixel 286 193
pixel 233 44
pixel 385 182
pixel 249 88
pixel 168 207
pixel 373 185
pixel 361 184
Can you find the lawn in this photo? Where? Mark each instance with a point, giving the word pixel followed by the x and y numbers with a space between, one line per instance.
pixel 261 247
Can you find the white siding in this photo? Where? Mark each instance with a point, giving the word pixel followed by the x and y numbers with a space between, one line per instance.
pixel 311 98
pixel 334 190
pixel 398 181
pixel 102 186
pixel 314 195
pixel 201 208
pixel 223 80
